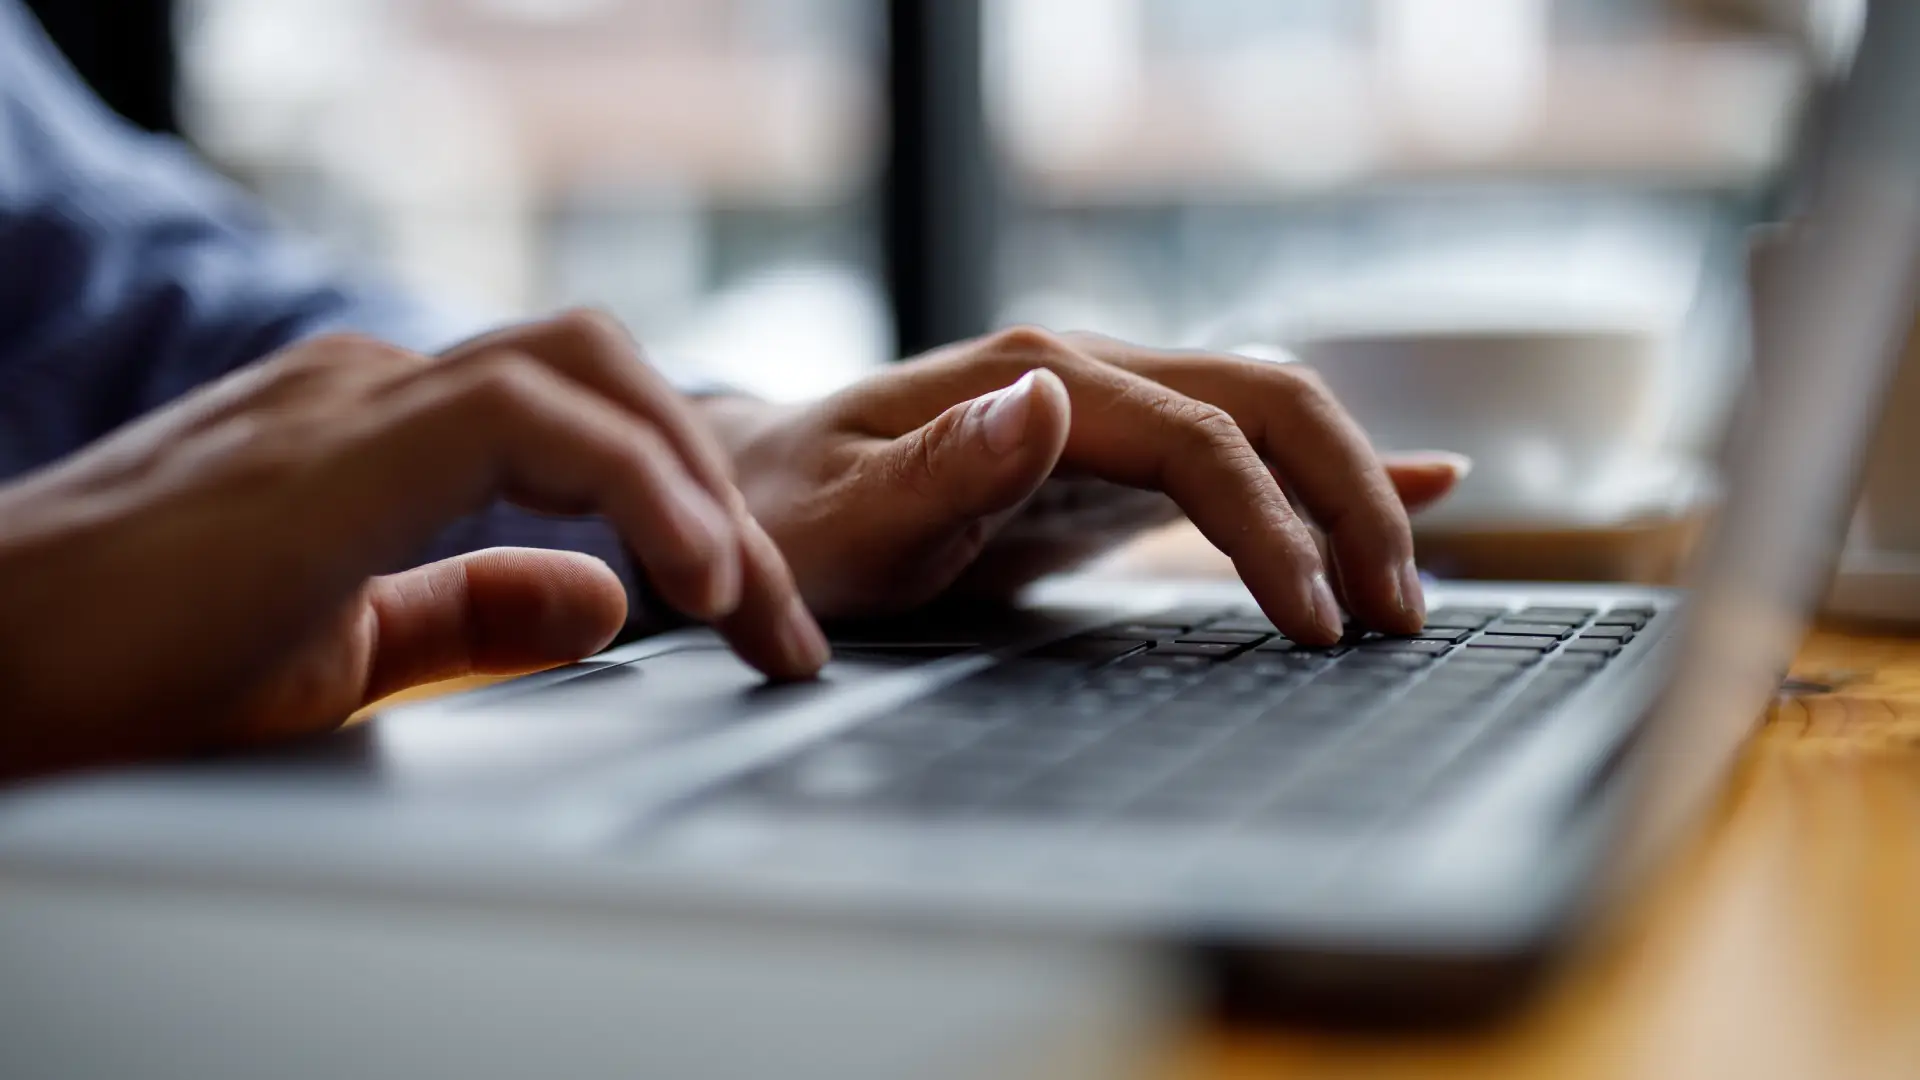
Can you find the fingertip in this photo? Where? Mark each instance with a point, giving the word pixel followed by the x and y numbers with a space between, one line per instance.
pixel 1425 477
pixel 803 646
pixel 1053 405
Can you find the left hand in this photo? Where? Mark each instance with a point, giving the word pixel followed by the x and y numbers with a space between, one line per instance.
pixel 989 463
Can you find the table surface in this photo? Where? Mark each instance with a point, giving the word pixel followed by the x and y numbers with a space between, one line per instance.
pixel 1784 942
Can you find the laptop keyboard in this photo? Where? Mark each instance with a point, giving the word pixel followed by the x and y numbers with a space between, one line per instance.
pixel 1196 716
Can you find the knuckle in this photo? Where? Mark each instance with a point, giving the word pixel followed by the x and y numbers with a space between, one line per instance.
pixel 1205 423
pixel 591 326
pixel 1029 343
pixel 348 352
pixel 498 381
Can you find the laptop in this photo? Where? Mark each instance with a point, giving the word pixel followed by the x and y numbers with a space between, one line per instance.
pixel 1400 826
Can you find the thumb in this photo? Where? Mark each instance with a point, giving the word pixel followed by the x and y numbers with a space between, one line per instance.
pixel 977 461
pixel 499 611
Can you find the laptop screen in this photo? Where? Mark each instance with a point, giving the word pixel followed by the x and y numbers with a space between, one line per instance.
pixel 1833 304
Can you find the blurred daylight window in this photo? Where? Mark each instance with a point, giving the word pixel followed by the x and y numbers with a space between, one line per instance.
pixel 681 162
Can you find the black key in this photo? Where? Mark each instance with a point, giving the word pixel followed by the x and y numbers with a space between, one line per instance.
pixel 1448 634
pixel 1137 632
pixel 1090 650
pixel 1200 649
pixel 1212 636
pixel 1530 643
pixel 1243 625
pixel 1477 653
pixel 1644 611
pixel 1558 614
pixel 1461 618
pixel 1381 661
pixel 1419 646
pixel 1605 646
pixel 1535 629
pixel 1452 611
pixel 1158 664
pixel 1189 618
pixel 1622 634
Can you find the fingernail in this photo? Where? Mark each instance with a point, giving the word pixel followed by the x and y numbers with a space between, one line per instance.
pixel 1460 464
pixel 801 640
pixel 1326 610
pixel 1004 414
pixel 1413 595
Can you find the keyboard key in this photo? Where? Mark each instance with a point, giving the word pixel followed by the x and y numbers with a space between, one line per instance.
pixel 1372 663
pixel 1531 643
pixel 1451 635
pixel 1462 618
pixel 1212 636
pixel 1137 632
pixel 1418 646
pixel 1159 664
pixel 1605 646
pixel 1199 649
pixel 1468 612
pixel 1474 652
pixel 1243 625
pixel 1534 629
pixel 1645 611
pixel 1574 615
pixel 1090 650
pixel 1622 634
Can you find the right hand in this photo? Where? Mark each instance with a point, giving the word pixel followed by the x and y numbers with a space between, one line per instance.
pixel 207 576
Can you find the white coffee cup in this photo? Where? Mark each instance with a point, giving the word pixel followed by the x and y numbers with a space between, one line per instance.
pixel 1557 415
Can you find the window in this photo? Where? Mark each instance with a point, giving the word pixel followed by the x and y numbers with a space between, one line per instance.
pixel 704 168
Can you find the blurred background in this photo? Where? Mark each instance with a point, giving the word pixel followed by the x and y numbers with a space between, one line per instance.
pixel 782 194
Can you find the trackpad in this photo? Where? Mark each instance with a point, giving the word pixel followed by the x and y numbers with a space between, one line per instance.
pixel 599 717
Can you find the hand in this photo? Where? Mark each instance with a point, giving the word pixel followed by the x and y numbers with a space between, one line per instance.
pixel 205 577
pixel 982 464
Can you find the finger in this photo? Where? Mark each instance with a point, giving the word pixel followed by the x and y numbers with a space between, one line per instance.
pixel 772 629
pixel 1294 422
pixel 1135 431
pixel 510 424
pixel 1422 478
pixel 940 491
pixel 500 611
pixel 595 350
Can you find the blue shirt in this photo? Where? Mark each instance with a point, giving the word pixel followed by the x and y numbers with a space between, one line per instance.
pixel 130 274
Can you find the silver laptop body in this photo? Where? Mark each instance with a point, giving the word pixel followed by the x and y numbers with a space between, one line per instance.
pixel 1305 836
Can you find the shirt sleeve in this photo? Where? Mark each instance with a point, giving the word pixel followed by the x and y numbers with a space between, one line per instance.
pixel 130 273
